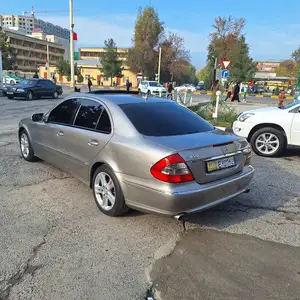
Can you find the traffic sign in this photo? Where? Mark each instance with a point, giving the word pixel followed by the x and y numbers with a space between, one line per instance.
pixel 225 73
pixel 226 63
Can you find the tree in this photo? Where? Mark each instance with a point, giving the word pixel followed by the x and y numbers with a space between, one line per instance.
pixel 205 75
pixel 63 68
pixel 288 68
pixel 143 56
pixel 9 56
pixel 228 42
pixel 175 58
pixel 188 75
pixel 296 55
pixel 111 65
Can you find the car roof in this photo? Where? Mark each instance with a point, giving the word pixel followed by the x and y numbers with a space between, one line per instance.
pixel 121 98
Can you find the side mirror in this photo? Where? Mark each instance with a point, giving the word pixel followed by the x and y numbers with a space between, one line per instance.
pixel 37 117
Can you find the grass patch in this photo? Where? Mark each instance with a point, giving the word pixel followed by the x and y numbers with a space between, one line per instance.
pixel 225 118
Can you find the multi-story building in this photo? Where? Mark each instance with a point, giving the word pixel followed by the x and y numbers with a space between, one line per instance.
pixel 28 23
pixel 91 56
pixel 97 52
pixel 32 52
pixel 39 34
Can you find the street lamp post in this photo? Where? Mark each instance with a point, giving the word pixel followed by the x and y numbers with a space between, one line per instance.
pixel 159 63
pixel 71 43
pixel 48 62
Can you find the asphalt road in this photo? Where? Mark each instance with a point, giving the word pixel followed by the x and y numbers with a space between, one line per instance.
pixel 55 244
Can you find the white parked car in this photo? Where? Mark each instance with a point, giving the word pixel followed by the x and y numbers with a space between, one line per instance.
pixel 270 130
pixel 185 88
pixel 152 88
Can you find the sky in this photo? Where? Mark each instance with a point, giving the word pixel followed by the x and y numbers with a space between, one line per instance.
pixel 272 27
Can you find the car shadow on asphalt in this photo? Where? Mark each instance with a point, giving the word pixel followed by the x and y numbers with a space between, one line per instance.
pixel 274 189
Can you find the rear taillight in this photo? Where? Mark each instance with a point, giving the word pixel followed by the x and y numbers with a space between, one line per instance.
pixel 172 169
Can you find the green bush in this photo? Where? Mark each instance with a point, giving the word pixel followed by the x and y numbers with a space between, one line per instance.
pixel 225 118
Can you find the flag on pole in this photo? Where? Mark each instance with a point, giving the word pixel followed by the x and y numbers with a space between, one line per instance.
pixel 76 50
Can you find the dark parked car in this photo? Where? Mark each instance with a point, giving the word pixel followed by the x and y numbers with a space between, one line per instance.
pixel 34 88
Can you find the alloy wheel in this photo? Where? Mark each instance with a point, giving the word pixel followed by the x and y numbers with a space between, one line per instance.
pixel 267 143
pixel 105 192
pixel 24 142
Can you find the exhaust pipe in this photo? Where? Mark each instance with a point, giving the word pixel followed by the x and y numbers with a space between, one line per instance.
pixel 179 217
pixel 247 191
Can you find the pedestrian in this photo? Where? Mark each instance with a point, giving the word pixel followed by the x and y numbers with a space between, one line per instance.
pixel 236 93
pixel 215 87
pixel 127 85
pixel 54 78
pixel 245 93
pixel 90 84
pixel 170 89
pixel 281 98
pixel 35 75
pixel 229 91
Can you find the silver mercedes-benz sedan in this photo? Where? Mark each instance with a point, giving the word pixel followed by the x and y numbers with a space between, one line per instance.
pixel 151 155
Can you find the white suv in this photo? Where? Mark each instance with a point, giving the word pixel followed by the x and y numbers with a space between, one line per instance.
pixel 152 88
pixel 270 130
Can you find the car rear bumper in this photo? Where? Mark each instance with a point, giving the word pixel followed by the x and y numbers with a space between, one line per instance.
pixel 186 198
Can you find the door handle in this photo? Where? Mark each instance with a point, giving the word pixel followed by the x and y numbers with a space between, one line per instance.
pixel 59 133
pixel 93 143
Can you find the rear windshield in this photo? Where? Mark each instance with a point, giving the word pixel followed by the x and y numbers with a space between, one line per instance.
pixel 164 119
pixel 153 83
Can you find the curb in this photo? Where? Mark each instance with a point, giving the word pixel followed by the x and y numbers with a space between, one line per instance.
pixel 256 96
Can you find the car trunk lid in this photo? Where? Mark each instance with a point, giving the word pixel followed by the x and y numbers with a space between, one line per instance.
pixel 205 151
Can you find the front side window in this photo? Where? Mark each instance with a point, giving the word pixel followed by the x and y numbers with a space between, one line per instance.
pixel 88 114
pixel 64 113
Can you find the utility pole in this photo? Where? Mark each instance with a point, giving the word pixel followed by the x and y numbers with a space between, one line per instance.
pixel 48 62
pixel 71 43
pixel 159 63
pixel 215 69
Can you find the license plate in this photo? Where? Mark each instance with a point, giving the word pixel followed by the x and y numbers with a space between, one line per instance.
pixel 9 93
pixel 220 164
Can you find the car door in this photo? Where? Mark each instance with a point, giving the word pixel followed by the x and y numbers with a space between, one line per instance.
pixel 48 135
pixel 50 88
pixel 39 88
pixel 295 128
pixel 90 132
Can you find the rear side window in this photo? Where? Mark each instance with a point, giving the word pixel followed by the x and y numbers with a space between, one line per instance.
pixel 164 119
pixel 104 124
pixel 64 113
pixel 88 114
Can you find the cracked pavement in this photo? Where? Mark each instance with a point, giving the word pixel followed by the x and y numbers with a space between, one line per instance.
pixel 55 244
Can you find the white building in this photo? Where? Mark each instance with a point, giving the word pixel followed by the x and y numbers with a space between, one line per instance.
pixel 28 23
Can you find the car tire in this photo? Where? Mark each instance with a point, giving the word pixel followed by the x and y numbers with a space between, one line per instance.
pixel 25 146
pixel 107 192
pixel 55 95
pixel 268 142
pixel 29 96
pixel 10 97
